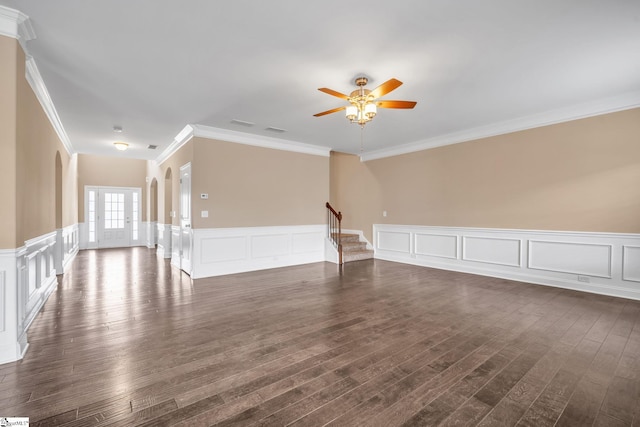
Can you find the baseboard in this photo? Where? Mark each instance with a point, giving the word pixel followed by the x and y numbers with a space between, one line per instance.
pixel 220 251
pixel 601 263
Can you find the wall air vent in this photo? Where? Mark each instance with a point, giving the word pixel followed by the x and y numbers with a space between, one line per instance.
pixel 242 123
pixel 276 130
pixel 152 147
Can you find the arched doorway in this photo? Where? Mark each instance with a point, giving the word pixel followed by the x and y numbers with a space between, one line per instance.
pixel 168 211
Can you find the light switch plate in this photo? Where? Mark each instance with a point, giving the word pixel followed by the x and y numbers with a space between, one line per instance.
pixel 204 195
pixel 204 214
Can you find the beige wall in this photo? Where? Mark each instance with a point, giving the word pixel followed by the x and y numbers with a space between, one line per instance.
pixel 111 172
pixel 579 176
pixel 8 102
pixel 252 186
pixel 28 146
pixel 180 158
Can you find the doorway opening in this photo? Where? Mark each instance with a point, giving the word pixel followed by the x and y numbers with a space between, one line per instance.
pixel 113 216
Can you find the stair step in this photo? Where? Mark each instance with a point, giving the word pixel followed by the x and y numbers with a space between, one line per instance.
pixel 357 255
pixel 353 246
pixel 346 237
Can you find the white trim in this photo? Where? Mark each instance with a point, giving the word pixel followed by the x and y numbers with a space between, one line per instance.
pixel 17 25
pixel 175 246
pixel 180 139
pixel 201 131
pixel 151 230
pixel 588 109
pixel 27 278
pixel 40 239
pixel 583 261
pixel 164 240
pixel 37 85
pixel 84 226
pixel 219 251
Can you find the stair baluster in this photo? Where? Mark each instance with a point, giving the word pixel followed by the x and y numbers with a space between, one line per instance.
pixel 335 218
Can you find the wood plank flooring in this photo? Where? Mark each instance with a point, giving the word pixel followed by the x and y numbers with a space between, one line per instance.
pixel 128 340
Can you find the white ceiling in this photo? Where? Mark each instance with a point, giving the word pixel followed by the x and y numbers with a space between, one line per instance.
pixel 474 67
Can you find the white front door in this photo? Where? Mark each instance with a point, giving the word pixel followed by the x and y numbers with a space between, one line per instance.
pixel 185 218
pixel 114 214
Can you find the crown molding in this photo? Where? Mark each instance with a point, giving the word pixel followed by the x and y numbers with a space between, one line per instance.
pixel 17 25
pixel 576 112
pixel 225 135
pixel 37 85
pixel 180 139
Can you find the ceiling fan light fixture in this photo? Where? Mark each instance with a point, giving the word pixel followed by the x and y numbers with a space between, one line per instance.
pixel 370 111
pixel 121 145
pixel 364 103
pixel 352 113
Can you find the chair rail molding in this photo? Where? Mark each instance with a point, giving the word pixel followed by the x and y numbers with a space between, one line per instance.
pixel 601 263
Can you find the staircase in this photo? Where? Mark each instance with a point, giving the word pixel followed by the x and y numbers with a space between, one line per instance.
pixel 353 249
pixel 349 246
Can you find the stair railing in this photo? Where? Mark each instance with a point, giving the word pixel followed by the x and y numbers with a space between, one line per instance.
pixel 334 229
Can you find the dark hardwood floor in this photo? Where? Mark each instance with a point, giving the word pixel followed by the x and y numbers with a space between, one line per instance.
pixel 128 340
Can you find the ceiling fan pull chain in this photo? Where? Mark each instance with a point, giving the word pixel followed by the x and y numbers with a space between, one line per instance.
pixel 361 140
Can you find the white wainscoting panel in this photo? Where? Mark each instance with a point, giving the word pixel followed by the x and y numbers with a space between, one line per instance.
pixel 223 249
pixel 491 250
pixel 394 241
pixel 151 233
pixel 304 243
pixel 3 300
pixel 571 257
pixel 27 278
pixel 175 245
pixel 9 348
pixel 219 251
pixel 163 240
pixel 67 246
pixel 438 245
pixel 603 263
pixel 270 245
pixel 631 263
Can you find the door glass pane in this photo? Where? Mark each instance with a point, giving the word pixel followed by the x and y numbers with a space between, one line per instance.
pixel 134 217
pixel 113 211
pixel 92 216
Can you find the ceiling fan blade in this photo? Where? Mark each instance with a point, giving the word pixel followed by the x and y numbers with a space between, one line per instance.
pixel 324 113
pixel 385 88
pixel 396 104
pixel 333 92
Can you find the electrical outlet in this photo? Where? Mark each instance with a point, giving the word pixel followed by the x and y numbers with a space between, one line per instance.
pixel 584 279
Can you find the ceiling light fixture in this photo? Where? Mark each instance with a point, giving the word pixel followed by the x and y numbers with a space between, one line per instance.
pixel 121 145
pixel 364 102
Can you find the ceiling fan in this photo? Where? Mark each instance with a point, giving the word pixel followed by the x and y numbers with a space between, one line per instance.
pixel 364 102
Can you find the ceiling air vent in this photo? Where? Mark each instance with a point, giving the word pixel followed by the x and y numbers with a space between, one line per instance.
pixel 242 123
pixel 276 130
pixel 152 147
